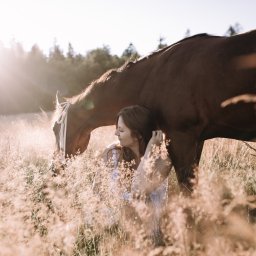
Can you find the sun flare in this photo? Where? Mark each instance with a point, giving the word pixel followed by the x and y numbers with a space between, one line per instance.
pixel 25 22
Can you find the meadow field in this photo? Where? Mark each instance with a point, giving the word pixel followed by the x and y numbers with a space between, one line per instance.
pixel 45 215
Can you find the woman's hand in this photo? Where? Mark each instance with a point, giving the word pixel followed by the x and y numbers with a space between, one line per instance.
pixel 157 138
pixel 150 174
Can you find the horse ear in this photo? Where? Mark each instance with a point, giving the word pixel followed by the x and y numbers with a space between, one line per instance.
pixel 57 98
pixel 58 101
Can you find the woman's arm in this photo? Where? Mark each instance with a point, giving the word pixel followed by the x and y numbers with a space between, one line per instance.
pixel 153 168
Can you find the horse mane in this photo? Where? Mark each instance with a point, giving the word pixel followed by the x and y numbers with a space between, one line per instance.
pixel 92 87
pixel 127 65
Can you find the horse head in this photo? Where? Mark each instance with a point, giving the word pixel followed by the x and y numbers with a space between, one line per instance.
pixel 71 134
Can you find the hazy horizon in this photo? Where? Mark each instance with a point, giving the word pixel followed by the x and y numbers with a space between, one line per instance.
pixel 91 24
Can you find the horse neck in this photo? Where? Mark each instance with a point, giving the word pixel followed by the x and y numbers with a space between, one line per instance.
pixel 112 96
pixel 113 91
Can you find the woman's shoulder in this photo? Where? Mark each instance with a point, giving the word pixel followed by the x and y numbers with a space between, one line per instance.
pixel 114 145
pixel 112 150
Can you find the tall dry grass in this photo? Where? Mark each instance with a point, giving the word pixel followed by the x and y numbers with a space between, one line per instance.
pixel 45 215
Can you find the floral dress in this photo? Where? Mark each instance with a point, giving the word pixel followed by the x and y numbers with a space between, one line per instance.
pixel 156 198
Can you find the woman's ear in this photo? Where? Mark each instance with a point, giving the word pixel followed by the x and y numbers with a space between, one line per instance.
pixel 140 137
pixel 137 135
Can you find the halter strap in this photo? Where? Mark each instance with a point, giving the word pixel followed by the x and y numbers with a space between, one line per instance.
pixel 62 120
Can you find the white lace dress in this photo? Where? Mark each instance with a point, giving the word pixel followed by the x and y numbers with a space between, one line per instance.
pixel 157 198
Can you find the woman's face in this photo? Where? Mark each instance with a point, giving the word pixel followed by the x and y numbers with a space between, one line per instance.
pixel 124 134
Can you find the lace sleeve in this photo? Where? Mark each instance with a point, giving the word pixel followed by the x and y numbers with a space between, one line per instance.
pixel 110 156
pixel 114 161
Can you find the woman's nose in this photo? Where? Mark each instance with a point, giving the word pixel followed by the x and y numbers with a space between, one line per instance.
pixel 116 133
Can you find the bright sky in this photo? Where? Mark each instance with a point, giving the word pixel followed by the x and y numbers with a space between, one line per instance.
pixel 89 24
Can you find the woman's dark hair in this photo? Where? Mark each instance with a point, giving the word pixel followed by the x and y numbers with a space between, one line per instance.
pixel 141 122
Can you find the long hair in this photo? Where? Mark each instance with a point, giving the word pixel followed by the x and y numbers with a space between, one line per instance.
pixel 141 122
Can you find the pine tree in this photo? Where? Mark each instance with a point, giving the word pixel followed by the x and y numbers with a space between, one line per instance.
pixel 130 53
pixel 161 43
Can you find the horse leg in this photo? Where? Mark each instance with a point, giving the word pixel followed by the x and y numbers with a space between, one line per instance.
pixel 185 151
pixel 200 146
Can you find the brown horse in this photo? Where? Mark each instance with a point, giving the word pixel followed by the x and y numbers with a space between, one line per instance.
pixel 184 85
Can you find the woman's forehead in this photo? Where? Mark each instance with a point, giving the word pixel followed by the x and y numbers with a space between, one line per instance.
pixel 120 122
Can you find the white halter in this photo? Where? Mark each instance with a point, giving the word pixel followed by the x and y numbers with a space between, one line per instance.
pixel 62 120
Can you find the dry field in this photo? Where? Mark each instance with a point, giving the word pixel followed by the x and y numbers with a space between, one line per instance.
pixel 45 215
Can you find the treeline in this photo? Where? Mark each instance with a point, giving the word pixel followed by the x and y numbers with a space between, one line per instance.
pixel 30 80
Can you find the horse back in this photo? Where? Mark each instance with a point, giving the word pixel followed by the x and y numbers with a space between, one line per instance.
pixel 190 80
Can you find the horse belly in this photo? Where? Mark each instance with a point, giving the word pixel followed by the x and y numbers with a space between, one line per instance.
pixel 237 121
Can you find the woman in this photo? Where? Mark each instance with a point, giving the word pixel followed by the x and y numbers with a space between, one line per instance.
pixel 133 171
